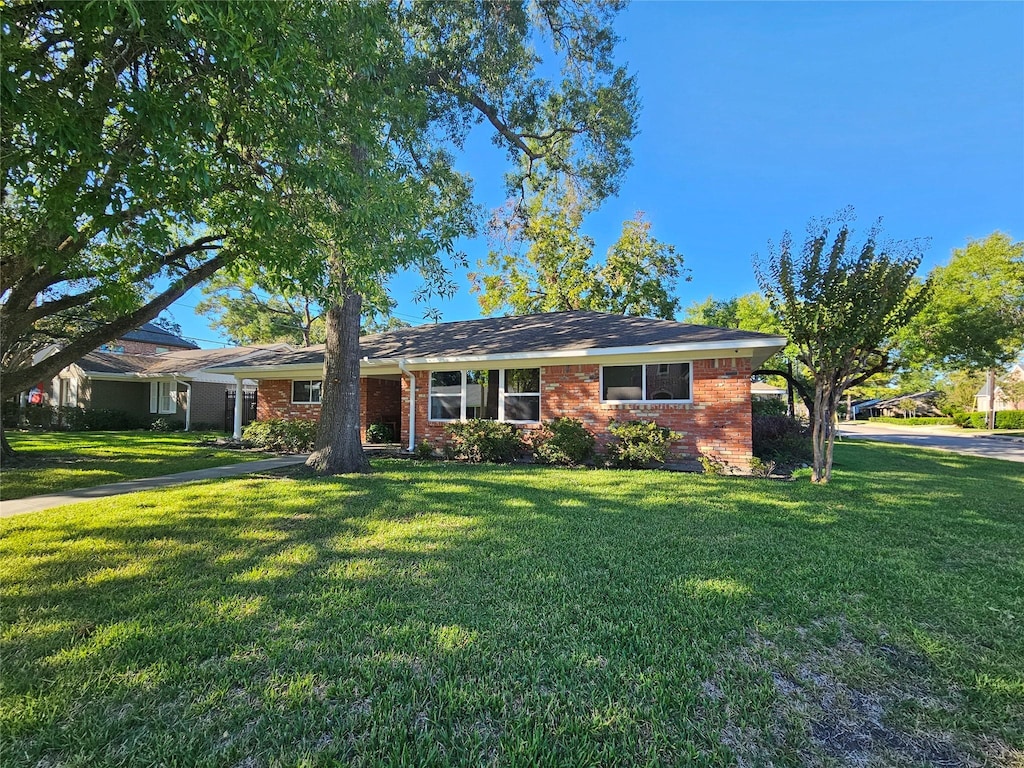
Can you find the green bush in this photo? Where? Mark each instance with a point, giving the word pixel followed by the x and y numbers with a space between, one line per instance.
pixel 914 421
pixel 563 441
pixel 40 416
pixel 639 444
pixel 1004 420
pixel 781 440
pixel 768 406
pixel 424 450
pixel 380 432
pixel 286 436
pixel 167 425
pixel 478 440
pixel 99 419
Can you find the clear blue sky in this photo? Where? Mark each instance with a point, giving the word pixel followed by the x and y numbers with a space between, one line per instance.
pixel 757 116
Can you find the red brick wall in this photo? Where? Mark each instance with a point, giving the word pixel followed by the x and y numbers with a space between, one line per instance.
pixel 378 401
pixel 718 421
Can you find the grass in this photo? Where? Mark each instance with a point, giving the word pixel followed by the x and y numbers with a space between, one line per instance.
pixel 49 462
pixel 436 614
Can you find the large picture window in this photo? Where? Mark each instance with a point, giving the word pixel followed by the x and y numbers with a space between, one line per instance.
pixel 306 391
pixel 646 383
pixel 504 395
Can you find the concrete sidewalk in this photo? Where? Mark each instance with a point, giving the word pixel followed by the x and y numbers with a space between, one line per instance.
pixel 77 496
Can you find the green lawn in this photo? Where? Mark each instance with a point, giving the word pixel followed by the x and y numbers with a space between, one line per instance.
pixel 437 614
pixel 49 462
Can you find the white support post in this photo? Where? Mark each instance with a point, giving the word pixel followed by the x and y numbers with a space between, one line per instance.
pixel 239 398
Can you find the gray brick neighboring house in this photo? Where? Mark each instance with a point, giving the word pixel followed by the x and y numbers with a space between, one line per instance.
pixel 149 374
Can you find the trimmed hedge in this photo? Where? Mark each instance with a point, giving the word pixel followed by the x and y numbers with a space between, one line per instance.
pixel 480 440
pixel 639 444
pixel 914 421
pixel 284 435
pixel 1004 420
pixel 379 432
pixel 71 419
pixel 563 441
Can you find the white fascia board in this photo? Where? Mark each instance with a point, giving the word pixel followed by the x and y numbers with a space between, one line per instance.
pixel 758 349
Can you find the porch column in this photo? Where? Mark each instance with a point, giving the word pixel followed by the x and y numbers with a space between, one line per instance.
pixel 239 402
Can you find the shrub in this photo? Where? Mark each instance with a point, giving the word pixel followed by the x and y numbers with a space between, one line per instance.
pixel 479 440
pixel 282 435
pixel 760 468
pixel 424 450
pixel 711 465
pixel 913 421
pixel 1004 420
pixel 97 419
pixel 167 425
pixel 781 439
pixel 40 416
pixel 768 406
pixel 639 444
pixel 563 441
pixel 379 432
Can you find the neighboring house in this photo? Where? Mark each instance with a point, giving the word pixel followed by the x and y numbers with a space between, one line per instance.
pixel 760 390
pixel 175 385
pixel 148 373
pixel 1004 402
pixel 591 366
pixel 902 406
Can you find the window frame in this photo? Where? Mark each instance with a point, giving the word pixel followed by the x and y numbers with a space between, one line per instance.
pixel 293 382
pixel 170 397
pixel 643 384
pixel 501 396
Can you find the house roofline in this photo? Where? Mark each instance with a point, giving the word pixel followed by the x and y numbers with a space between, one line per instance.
pixel 754 348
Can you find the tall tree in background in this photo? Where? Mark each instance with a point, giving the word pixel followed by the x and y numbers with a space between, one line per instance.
pixel 842 306
pixel 974 319
pixel 248 313
pixel 542 262
pixel 145 145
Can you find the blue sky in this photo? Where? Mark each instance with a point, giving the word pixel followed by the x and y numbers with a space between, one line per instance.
pixel 757 116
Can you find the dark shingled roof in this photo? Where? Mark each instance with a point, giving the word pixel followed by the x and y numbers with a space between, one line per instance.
pixel 545 332
pixel 178 361
pixel 154 334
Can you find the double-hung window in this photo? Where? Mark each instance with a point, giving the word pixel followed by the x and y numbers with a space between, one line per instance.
pixel 162 397
pixel 659 382
pixel 306 391
pixel 502 395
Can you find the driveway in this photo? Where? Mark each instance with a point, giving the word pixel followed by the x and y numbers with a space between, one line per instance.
pixel 924 437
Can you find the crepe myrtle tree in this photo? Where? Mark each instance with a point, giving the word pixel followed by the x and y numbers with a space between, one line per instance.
pixel 453 66
pixel 842 305
pixel 146 145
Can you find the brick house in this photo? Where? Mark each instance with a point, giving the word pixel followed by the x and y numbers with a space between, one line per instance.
pixel 592 366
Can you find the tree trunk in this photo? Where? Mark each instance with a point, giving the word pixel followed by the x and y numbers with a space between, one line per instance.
pixel 791 402
pixel 338 448
pixel 6 451
pixel 823 431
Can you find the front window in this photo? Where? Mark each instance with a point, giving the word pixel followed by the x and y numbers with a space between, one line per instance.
pixel 165 397
pixel 504 395
pixel 306 391
pixel 646 383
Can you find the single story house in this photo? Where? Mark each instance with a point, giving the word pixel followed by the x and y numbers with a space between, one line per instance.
pixel 1004 400
pixel 175 385
pixel 902 406
pixel 592 366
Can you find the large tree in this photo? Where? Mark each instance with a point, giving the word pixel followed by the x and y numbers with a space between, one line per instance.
pixel 543 262
pixel 974 319
pixel 461 64
pixel 145 145
pixel 842 305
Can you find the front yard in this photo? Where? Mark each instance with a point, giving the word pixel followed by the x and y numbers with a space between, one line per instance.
pixel 49 462
pixel 438 614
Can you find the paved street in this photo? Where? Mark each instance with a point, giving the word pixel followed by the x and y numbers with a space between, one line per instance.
pixel 923 437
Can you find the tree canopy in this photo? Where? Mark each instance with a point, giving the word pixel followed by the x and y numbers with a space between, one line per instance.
pixel 542 262
pixel 841 305
pixel 974 318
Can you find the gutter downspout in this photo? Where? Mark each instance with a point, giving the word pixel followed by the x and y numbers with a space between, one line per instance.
pixel 188 403
pixel 412 404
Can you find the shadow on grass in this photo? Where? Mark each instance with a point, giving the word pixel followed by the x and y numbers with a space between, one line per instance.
pixel 445 614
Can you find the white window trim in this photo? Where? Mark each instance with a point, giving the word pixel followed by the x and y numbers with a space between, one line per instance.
pixel 501 397
pixel 643 384
pixel 156 397
pixel 291 385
